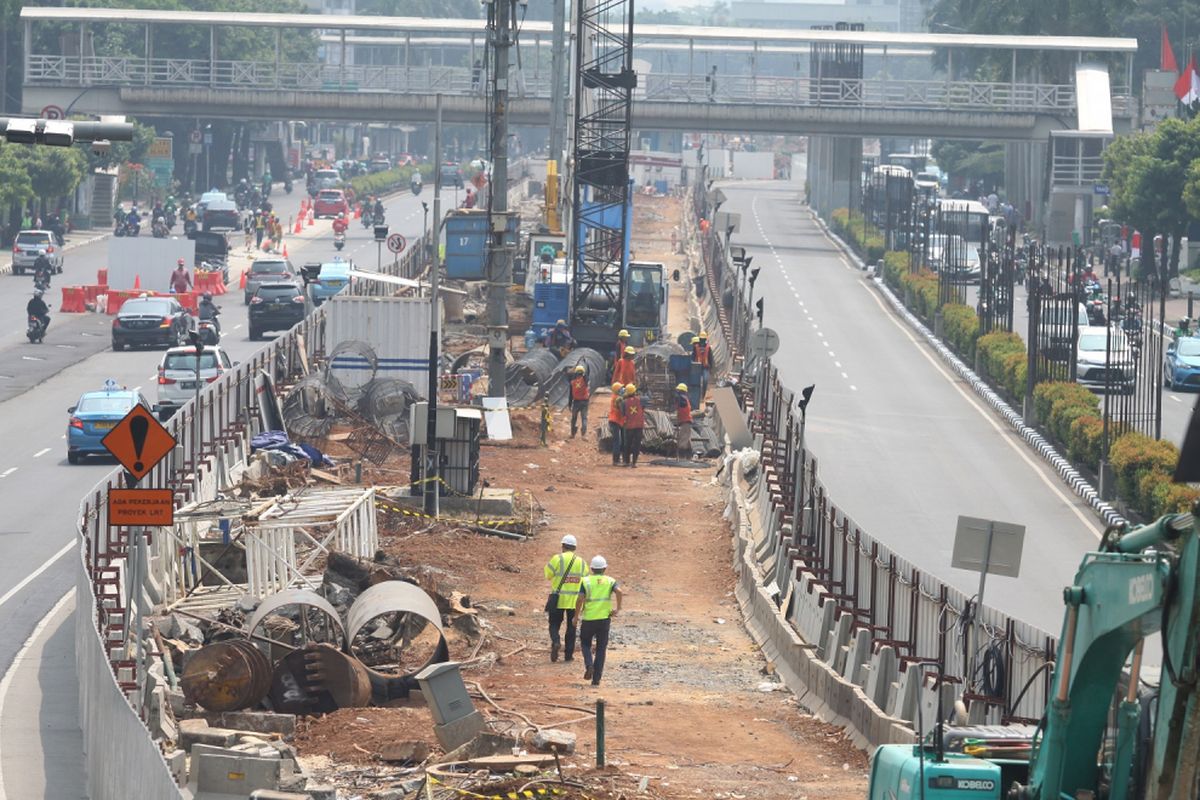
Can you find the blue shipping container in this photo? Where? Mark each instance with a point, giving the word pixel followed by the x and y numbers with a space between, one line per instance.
pixel 466 243
pixel 550 304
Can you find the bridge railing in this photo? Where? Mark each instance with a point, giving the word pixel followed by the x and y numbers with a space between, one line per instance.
pixel 62 70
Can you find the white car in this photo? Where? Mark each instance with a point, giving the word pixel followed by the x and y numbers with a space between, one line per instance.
pixel 927 182
pixel 1104 359
pixel 177 381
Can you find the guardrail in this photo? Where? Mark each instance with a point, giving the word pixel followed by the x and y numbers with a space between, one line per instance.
pixel 881 92
pixel 120 566
pixel 835 584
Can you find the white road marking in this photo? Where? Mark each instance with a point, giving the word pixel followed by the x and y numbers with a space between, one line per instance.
pixel 1005 435
pixel 31 577
pixel 1176 399
pixel 837 364
pixel 34 635
pixel 235 327
pixel 853 388
pixel 8 472
pixel 41 452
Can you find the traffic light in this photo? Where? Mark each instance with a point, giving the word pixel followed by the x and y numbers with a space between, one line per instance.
pixel 64 133
pixel 758 305
pixel 753 277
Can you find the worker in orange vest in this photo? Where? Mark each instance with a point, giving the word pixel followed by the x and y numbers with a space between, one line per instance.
pixel 702 355
pixel 616 421
pixel 683 423
pixel 580 395
pixel 622 343
pixel 623 371
pixel 635 421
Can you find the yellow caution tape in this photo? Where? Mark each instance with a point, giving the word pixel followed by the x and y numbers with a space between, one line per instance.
pixel 527 794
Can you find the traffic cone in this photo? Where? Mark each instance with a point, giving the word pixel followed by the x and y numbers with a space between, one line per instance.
pixel 296 229
pixel 310 218
pixel 242 280
pixel 137 281
pixel 285 255
pixel 358 212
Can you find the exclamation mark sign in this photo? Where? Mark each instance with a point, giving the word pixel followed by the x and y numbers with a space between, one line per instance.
pixel 138 428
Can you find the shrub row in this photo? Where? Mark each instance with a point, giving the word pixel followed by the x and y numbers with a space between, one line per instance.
pixel 387 181
pixel 960 327
pixel 1004 360
pixel 866 240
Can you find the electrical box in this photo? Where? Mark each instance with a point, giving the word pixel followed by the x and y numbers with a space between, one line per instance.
pixel 445 693
pixel 418 423
pixel 444 425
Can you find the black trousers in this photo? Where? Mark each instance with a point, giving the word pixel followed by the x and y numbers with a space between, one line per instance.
pixel 556 620
pixel 617 440
pixel 633 445
pixel 579 409
pixel 596 629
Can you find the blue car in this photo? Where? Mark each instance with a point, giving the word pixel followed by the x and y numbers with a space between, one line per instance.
pixel 333 278
pixel 94 416
pixel 1181 366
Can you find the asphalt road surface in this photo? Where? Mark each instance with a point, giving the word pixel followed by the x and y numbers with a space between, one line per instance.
pixel 904 446
pixel 40 492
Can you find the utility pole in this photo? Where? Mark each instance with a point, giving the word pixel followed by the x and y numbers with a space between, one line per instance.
pixel 499 266
pixel 558 70
pixel 432 488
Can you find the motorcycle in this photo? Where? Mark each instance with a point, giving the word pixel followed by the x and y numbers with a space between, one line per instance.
pixel 41 282
pixel 170 220
pixel 339 241
pixel 210 334
pixel 127 228
pixel 36 330
pixel 287 186
pixel 416 183
pixel 189 226
pixel 159 228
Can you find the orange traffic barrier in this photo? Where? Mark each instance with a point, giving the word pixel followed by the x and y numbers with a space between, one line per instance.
pixel 102 276
pixel 90 293
pixel 72 300
pixel 188 300
pixel 117 298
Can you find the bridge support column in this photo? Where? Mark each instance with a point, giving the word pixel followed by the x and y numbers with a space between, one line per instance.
pixel 834 173
pixel 1025 181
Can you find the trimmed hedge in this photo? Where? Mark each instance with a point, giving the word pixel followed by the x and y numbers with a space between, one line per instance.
pixel 896 264
pixel 1003 357
pixel 866 240
pixel 961 327
pixel 1143 468
pixel 388 180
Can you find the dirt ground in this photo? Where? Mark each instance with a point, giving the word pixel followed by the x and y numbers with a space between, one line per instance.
pixel 692 707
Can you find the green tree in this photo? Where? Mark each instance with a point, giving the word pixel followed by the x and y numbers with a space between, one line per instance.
pixel 971 160
pixel 53 171
pixel 15 186
pixel 124 152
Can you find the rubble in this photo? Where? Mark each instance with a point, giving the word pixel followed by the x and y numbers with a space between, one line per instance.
pixel 555 740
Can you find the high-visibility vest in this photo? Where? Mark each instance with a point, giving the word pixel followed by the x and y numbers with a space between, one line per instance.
pixel 579 388
pixel 700 353
pixel 597 591
pixel 564 572
pixel 684 408
pixel 614 410
pixel 635 415
pixel 623 370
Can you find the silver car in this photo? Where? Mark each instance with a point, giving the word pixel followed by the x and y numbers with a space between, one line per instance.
pixel 31 244
pixel 271 269
pixel 177 381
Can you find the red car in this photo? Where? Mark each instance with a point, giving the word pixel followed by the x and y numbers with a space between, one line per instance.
pixel 330 203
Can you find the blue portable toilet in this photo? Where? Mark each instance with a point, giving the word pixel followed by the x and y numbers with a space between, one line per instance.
pixel 467 240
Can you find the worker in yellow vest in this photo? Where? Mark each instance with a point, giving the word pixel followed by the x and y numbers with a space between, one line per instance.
pixel 599 601
pixel 564 571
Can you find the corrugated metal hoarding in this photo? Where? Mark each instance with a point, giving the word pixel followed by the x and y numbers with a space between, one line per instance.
pixel 396 328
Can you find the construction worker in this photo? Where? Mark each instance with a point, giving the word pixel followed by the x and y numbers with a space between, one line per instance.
pixel 564 571
pixel 616 420
pixel 623 371
pixel 595 607
pixel 635 421
pixel 702 355
pixel 580 396
pixel 560 338
pixel 683 423
pixel 622 343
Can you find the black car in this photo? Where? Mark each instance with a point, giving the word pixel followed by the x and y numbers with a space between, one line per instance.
pixel 160 321
pixel 276 307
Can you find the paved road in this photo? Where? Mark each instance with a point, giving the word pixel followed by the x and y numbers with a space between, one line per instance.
pixel 904 446
pixel 40 492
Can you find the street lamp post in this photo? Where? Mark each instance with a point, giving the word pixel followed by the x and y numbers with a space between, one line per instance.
pixel 798 478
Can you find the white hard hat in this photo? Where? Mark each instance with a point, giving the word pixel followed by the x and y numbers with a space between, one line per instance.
pixel 569 540
pixel 598 562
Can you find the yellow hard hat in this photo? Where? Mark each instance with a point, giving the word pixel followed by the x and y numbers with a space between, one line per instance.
pixel 681 387
pixel 629 351
pixel 616 387
pixel 561 322
pixel 579 369
pixel 630 389
pixel 703 334
pixel 624 334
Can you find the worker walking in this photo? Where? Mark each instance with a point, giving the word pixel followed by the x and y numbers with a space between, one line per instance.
pixel 622 343
pixel 623 371
pixel 580 397
pixel 616 421
pixel 702 355
pixel 683 423
pixel 635 421
pixel 564 571
pixel 596 607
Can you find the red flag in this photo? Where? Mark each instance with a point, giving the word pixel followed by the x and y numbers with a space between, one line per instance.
pixel 1183 85
pixel 1168 55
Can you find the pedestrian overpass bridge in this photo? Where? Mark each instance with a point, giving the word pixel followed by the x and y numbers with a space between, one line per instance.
pixel 769 81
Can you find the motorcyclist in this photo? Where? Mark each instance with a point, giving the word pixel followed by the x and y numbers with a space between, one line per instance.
pixel 416 182
pixel 42 270
pixel 134 220
pixel 1184 329
pixel 190 220
pixel 36 307
pixel 339 224
pixel 208 311
pixel 170 208
pixel 266 183
pixel 378 211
